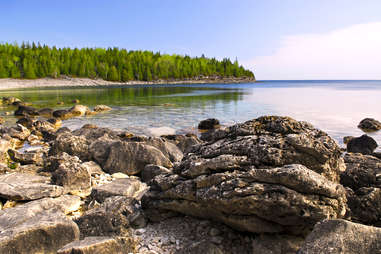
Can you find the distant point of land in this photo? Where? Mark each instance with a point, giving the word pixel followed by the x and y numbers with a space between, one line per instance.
pixel 99 66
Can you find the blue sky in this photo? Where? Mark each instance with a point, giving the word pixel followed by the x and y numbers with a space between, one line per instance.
pixel 256 32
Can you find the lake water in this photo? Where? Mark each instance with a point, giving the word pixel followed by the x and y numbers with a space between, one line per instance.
pixel 336 107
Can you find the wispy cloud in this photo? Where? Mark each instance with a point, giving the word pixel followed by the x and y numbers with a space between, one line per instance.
pixel 350 53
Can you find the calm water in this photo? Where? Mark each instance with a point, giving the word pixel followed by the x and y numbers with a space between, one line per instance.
pixel 333 106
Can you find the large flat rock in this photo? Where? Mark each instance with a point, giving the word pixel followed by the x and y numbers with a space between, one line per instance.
pixel 38 226
pixel 128 187
pixel 344 237
pixel 21 186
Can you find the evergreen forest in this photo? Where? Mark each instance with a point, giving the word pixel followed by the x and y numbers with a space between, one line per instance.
pixel 31 61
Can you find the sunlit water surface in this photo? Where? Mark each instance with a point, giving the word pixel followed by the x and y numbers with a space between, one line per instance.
pixel 336 107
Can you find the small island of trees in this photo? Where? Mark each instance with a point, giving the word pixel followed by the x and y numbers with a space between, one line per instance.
pixel 31 61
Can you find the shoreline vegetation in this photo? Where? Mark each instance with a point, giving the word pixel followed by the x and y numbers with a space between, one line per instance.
pixel 11 83
pixel 29 64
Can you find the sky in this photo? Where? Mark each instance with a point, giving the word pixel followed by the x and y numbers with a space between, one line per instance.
pixel 276 39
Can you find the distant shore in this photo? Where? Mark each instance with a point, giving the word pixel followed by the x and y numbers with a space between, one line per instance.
pixel 7 83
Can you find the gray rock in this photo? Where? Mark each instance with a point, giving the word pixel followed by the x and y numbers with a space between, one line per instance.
pixel 203 247
pixel 73 176
pixel 276 244
pixel 131 158
pixel 369 124
pixel 99 245
pixel 5 145
pixel 184 142
pixel 361 171
pixel 128 187
pixel 150 171
pixel 92 167
pixel 79 110
pixel 363 177
pixel 38 226
pixel 72 145
pixel 20 186
pixel 35 157
pixel 114 216
pixel 363 144
pixel 26 111
pixel 101 108
pixel 340 236
pixel 268 175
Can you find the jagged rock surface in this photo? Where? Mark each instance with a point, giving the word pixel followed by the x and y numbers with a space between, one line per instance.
pixel 267 175
pixel 20 186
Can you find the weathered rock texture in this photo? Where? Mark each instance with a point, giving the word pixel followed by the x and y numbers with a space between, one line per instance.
pixel 115 215
pixel 20 186
pixel 271 174
pixel 363 177
pixel 363 144
pixel 370 124
pixel 38 226
pixel 99 245
pixel 340 236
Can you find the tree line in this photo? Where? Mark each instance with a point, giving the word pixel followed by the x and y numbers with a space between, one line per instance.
pixel 31 61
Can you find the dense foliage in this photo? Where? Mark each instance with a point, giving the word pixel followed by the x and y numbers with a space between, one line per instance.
pixel 36 61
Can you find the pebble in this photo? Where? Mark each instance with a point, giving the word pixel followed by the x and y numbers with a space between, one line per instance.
pixel 216 239
pixel 140 231
pixel 172 239
pixel 214 232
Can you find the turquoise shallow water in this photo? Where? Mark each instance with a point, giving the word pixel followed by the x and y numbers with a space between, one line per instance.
pixel 336 107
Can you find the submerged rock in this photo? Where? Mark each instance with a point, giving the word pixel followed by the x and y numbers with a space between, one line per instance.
pixel 26 111
pixel 271 174
pixel 208 124
pixel 340 236
pixel 79 110
pixel 369 124
pixel 363 144
pixel 101 108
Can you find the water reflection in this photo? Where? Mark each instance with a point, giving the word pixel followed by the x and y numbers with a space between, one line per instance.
pixel 333 106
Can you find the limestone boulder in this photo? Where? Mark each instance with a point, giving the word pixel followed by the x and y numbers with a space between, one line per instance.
pixel 128 187
pixel 72 145
pixel 340 236
pixel 131 157
pixel 184 142
pixel 38 226
pixel 114 216
pixel 150 171
pixel 73 176
pixel 267 175
pixel 21 186
pixel 363 181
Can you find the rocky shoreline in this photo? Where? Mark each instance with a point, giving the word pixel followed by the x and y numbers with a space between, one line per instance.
pixel 7 83
pixel 268 185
